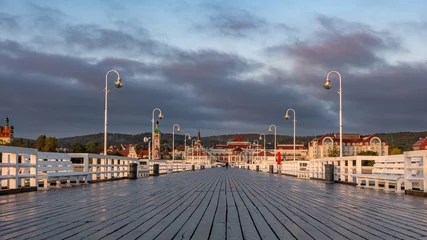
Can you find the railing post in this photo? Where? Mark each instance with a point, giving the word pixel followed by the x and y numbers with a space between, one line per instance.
pixel 34 171
pixel 156 170
pixel 407 171
pixel 133 171
pixel 329 173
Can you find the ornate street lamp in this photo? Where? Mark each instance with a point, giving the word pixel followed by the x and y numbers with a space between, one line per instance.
pixel 118 84
pixel 295 121
pixel 328 85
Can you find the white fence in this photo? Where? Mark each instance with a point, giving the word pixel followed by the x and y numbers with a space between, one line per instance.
pixel 103 167
pixel 346 169
pixel 416 170
pixel 167 166
pixel 411 166
pixel 18 167
pixel 262 166
pixel 26 167
pixel 57 168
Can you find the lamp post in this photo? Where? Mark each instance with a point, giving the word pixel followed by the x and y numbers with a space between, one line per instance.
pixel 173 139
pixel 275 142
pixel 256 146
pixel 118 84
pixel 185 143
pixel 260 138
pixel 192 150
pixel 295 121
pixel 147 139
pixel 328 85
pixel 152 127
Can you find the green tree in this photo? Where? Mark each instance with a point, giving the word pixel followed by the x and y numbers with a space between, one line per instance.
pixel 77 148
pixel 367 153
pixel 18 143
pixel 138 148
pixel 395 151
pixel 334 152
pixel 4 143
pixel 94 147
pixel 40 142
pixel 51 144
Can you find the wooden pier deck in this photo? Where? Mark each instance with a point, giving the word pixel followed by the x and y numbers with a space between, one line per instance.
pixel 213 204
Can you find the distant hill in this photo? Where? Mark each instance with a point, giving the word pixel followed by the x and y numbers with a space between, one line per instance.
pixel 402 140
pixel 118 138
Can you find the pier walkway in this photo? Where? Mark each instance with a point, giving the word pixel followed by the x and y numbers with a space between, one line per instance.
pixel 214 203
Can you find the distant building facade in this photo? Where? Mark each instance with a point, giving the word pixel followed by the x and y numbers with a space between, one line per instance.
pixel 352 144
pixel 287 151
pixel 236 151
pixel 6 132
pixel 421 144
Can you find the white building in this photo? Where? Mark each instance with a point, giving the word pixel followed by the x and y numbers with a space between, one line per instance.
pixel 352 145
pixel 268 158
pixel 236 151
pixel 287 151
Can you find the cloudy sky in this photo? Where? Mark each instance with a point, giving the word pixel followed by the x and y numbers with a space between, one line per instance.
pixel 221 66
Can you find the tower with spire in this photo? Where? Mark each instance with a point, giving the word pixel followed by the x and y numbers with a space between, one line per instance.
pixel 156 147
pixel 6 132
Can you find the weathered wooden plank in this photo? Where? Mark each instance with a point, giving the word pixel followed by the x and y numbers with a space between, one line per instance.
pixel 219 225
pixel 234 230
pixel 174 221
pixel 205 225
pixel 118 230
pixel 188 229
pixel 263 229
pixel 59 215
pixel 214 203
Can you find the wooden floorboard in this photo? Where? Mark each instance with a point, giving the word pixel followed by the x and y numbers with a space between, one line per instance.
pixel 214 203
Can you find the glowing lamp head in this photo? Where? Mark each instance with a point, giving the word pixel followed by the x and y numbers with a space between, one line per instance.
pixel 287 116
pixel 327 84
pixel 160 115
pixel 118 83
pixel 179 129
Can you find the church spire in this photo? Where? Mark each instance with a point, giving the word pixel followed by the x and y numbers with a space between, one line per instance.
pixel 198 135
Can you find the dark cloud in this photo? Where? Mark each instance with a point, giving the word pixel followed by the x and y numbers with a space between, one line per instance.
pixel 45 16
pixel 8 21
pixel 340 44
pixel 61 93
pixel 237 23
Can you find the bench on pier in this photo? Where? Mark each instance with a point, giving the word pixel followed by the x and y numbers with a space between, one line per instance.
pixel 57 168
pixel 386 173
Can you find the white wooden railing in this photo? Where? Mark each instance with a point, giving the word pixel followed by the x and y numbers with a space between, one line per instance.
pixel 57 168
pixel 299 169
pixel 345 169
pixel 102 167
pixel 18 167
pixel 416 170
pixel 167 166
